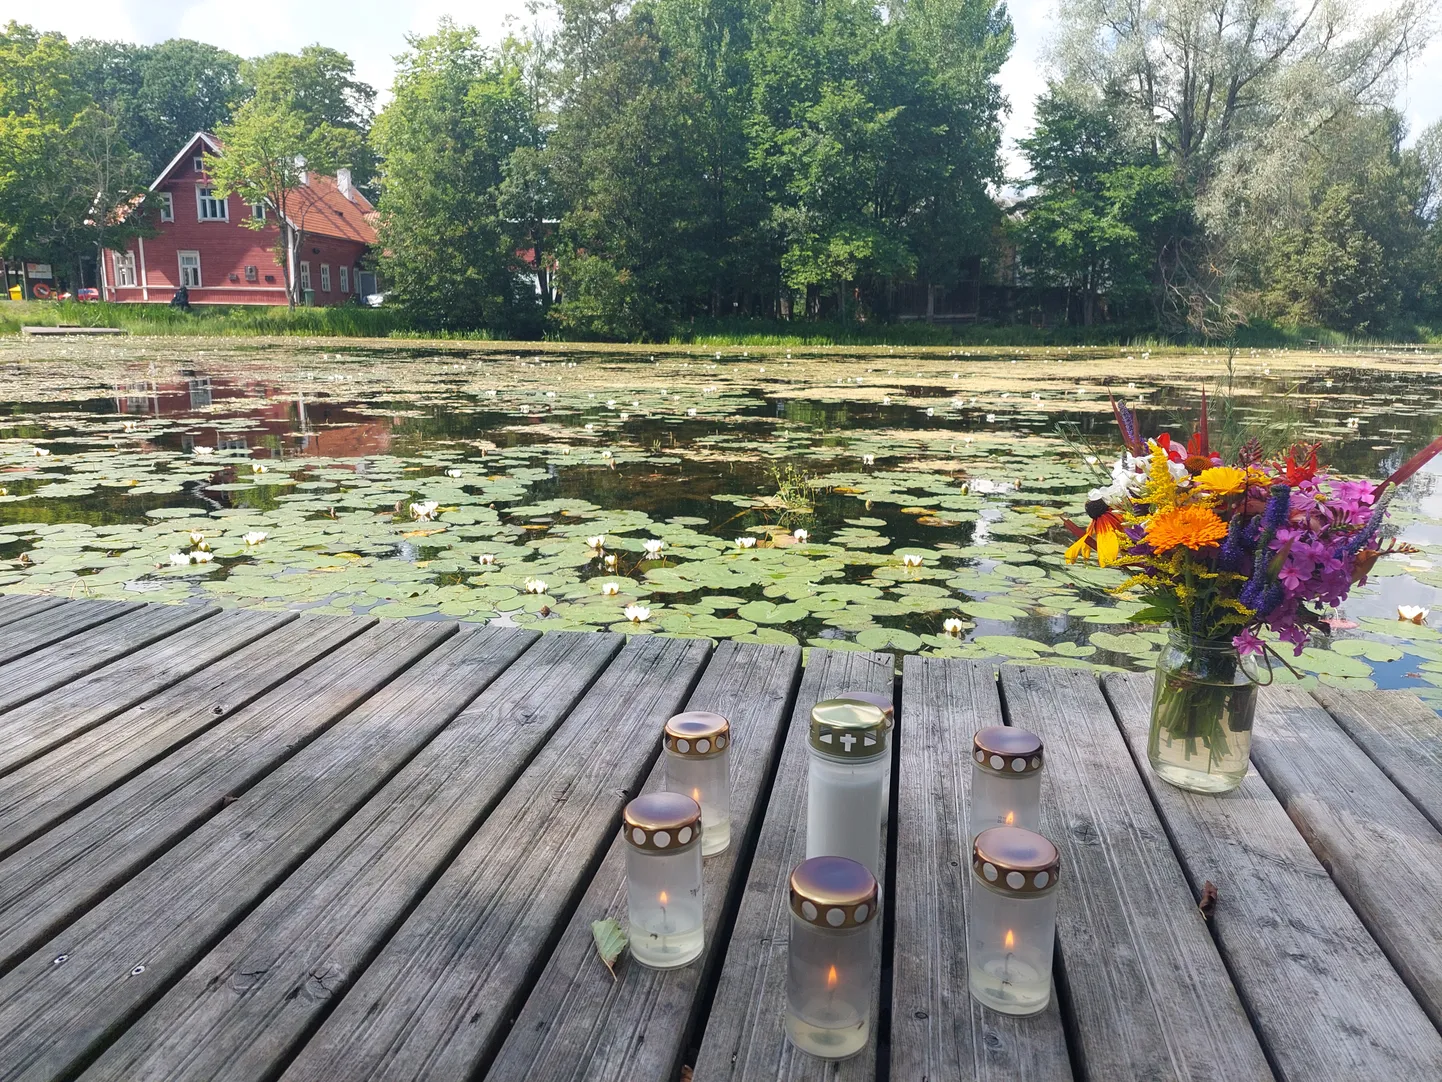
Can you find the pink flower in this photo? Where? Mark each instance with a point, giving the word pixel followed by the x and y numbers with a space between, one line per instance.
pixel 1247 643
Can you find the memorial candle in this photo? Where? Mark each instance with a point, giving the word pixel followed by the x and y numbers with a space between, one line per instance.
pixel 829 965
pixel 846 782
pixel 1011 925
pixel 1006 765
pixel 698 745
pixel 663 879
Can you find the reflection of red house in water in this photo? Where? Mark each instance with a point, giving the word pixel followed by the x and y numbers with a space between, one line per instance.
pixel 206 243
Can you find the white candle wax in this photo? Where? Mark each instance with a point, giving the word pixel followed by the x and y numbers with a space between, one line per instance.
pixel 844 806
pixel 665 931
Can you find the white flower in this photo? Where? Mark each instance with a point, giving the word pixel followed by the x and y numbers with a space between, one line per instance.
pixel 800 535
pixel 636 613
pixel 590 428
pixel 486 559
pixel 255 537
pixel 202 557
pixel 911 560
pixel 597 541
pixel 625 416
pixel 868 460
pixel 654 546
pixel 607 454
pixel 746 542
pixel 258 467
pixel 610 589
pixel 930 412
pixel 991 418
pixel 424 511
pixel 886 400
pixel 203 450
pixel 41 452
pixel 1413 613
pixel 179 559
pixel 952 626
pixel 535 586
pixel 453 473
pixel 691 412
pixel 1091 460
pixel 610 403
pixel 490 394
pixel 130 425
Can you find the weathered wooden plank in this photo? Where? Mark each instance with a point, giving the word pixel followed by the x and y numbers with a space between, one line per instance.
pixel 745 1036
pixel 1382 853
pixel 56 624
pixel 121 633
pixel 48 883
pixel 15 607
pixel 938 1032
pixel 1400 734
pixel 578 1023
pixel 437 998
pixel 41 793
pixel 248 1004
pixel 31 730
pixel 1143 988
pixel 175 909
pixel 1325 999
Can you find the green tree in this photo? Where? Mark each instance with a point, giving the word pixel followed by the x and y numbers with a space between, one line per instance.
pixel 459 114
pixel 319 83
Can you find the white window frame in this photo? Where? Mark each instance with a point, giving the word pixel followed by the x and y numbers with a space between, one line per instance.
pixel 344 278
pixel 197 163
pixel 167 206
pixel 188 279
pixel 257 211
pixel 219 208
pixel 325 277
pixel 125 269
pixel 305 274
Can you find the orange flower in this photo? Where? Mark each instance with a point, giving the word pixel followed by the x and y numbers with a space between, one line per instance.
pixel 1194 527
pixel 1222 480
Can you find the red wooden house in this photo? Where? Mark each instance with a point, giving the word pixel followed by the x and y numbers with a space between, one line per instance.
pixel 205 245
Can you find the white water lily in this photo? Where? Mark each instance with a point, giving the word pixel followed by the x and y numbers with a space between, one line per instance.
pixel 486 559
pixel 911 559
pixel 453 473
pixel 610 403
pixel 636 613
pixel 425 511
pixel 868 460
pixel 607 454
pixel 746 542
pixel 590 428
pixel 258 467
pixel 654 546
pixel 930 412
pixel 610 559
pixel 202 450
pixel 197 539
pixel 596 542
pixel 691 412
pixel 886 400
pixel 1413 613
pixel 41 452
pixel 180 559
pixel 129 426
pixel 991 418
pixel 952 626
pixel 202 557
pixel 610 589
pixel 625 416
pixel 800 535
pixel 535 586
pixel 255 537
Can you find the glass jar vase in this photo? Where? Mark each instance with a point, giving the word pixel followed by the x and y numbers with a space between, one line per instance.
pixel 1203 702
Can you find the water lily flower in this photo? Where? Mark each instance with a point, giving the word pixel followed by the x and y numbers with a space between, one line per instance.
pixel 258 467
pixel 486 559
pixel 590 428
pixel 453 473
pixel 130 425
pixel 610 403
pixel 535 586
pixel 610 589
pixel 179 559
pixel 200 450
pixel 930 412
pixel 255 537
pixel 868 460
pixel 197 539
pixel 424 511
pixel 202 557
pixel 911 559
pixel 596 542
pixel 991 418
pixel 691 412
pixel 952 626
pixel 746 542
pixel 800 535
pixel 607 454
pixel 610 559
pixel 886 400
pixel 636 613
pixel 42 452
pixel 1413 613
pixel 625 416
pixel 654 546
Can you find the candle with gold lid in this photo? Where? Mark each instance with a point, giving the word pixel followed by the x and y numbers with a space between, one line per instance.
pixel 1011 925
pixel 1006 765
pixel 846 782
pixel 698 753
pixel 829 972
pixel 663 879
pixel 881 701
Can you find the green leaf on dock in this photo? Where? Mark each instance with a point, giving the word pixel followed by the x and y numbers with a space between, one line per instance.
pixel 610 942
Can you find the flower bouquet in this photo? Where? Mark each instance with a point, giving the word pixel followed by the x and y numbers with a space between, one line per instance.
pixel 1220 549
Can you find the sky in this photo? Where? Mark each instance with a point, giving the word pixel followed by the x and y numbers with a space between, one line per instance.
pixel 372 32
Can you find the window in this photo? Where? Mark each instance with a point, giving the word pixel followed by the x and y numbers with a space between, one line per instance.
pixel 208 207
pixel 190 270
pixel 345 279
pixel 198 164
pixel 125 269
pixel 251 274
pixel 325 277
pixel 257 211
pixel 305 276
pixel 167 206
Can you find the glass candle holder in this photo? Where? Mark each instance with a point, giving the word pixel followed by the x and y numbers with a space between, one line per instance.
pixel 829 973
pixel 1012 920
pixel 1005 779
pixel 663 879
pixel 698 755
pixel 846 784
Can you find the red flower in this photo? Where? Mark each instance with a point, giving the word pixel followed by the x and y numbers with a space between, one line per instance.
pixel 1293 473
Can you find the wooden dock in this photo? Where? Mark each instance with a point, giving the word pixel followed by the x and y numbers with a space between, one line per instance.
pixel 70 330
pixel 240 846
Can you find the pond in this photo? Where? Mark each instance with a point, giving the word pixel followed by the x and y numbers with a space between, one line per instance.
pixel 786 488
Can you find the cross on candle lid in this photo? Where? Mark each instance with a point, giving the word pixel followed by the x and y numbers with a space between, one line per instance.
pixel 697 734
pixel 662 822
pixel 848 728
pixel 1005 749
pixel 833 892
pixel 1015 860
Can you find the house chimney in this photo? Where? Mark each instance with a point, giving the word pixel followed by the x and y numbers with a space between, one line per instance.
pixel 342 181
pixel 304 178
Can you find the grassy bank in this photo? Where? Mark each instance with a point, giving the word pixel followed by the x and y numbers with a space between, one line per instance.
pixel 354 322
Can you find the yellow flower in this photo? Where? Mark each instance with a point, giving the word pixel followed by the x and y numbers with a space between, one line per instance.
pixel 1192 527
pixel 1222 480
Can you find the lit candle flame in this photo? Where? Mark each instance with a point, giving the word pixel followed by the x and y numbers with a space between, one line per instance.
pixel 665 900
pixel 696 795
pixel 1010 818
pixel 831 978
pixel 1010 939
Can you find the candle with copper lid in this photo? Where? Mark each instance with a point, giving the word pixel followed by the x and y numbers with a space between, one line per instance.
pixel 1011 925
pixel 698 747
pixel 1006 766
pixel 829 965
pixel 663 879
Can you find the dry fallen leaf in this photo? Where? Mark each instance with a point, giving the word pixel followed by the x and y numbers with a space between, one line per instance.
pixel 1209 899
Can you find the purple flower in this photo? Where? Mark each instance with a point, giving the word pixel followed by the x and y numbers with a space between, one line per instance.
pixel 1295 635
pixel 1247 643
